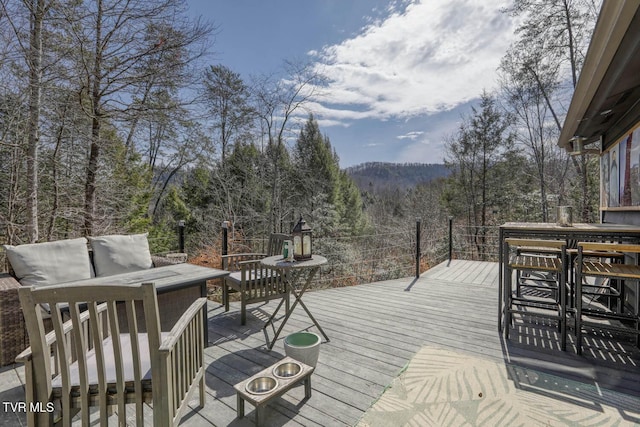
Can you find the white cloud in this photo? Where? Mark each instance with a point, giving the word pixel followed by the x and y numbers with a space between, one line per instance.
pixel 426 58
pixel 410 135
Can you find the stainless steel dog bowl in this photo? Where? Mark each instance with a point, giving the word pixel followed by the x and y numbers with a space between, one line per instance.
pixel 287 370
pixel 261 385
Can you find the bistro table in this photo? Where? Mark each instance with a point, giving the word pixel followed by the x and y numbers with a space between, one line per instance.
pixel 177 286
pixel 298 276
pixel 606 232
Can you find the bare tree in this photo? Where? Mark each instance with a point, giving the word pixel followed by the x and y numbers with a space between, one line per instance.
pixel 227 97
pixel 32 52
pixel 278 101
pixel 525 85
pixel 114 53
pixel 557 34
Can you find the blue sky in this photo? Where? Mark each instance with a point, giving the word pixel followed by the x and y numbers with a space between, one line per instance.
pixel 400 73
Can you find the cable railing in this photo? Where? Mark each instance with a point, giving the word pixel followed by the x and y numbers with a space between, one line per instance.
pixel 407 252
pixel 479 243
pixel 352 259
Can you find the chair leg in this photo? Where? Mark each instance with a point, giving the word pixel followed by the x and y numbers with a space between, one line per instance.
pixel 202 391
pixel 572 281
pixel 579 307
pixel 507 308
pixel 636 312
pixel 243 309
pixel 620 287
pixel 562 285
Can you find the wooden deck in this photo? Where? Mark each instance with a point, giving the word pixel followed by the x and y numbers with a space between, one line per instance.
pixel 375 329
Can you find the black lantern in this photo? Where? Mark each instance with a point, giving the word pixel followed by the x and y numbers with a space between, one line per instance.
pixel 301 234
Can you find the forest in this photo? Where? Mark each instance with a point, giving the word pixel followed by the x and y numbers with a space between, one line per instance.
pixel 112 120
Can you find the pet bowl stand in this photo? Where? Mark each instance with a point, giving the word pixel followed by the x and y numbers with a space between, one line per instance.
pixel 284 384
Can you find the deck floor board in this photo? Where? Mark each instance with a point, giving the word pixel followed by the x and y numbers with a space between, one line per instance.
pixel 374 331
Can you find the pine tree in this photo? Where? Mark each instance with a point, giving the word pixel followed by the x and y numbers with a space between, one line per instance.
pixel 324 193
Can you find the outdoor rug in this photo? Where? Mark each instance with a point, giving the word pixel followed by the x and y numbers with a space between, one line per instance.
pixel 443 388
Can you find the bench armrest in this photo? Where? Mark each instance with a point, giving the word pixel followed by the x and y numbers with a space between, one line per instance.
pixel 194 312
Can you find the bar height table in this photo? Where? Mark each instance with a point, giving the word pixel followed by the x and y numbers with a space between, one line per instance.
pixel 543 230
pixel 294 272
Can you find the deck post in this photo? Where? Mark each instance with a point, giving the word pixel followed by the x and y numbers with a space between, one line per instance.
pixel 418 254
pixel 450 237
pixel 181 224
pixel 225 237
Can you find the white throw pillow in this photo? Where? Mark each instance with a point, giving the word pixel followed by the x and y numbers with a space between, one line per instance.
pixel 120 254
pixel 50 263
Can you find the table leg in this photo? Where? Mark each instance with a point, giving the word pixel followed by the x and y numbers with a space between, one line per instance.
pixel 259 415
pixel 578 308
pixel 225 295
pixel 507 277
pixel 307 387
pixel 313 319
pixel 239 405
pixel 636 312
pixel 282 324
pixel 500 296
pixel 563 304
pixel 274 314
pixel 205 314
pixel 297 296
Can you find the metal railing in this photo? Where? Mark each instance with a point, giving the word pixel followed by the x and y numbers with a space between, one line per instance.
pixel 478 243
pixel 407 252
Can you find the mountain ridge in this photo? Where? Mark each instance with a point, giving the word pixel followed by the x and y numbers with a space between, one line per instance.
pixel 387 175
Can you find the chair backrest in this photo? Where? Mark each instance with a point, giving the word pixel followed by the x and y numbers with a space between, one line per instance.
pixel 610 247
pixel 90 345
pixel 536 243
pixel 276 241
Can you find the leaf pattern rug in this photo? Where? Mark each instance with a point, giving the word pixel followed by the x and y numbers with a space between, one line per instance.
pixel 444 388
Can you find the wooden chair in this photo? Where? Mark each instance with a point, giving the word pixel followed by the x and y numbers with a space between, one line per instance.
pixel 255 282
pixel 620 319
pixel 547 257
pixel 96 360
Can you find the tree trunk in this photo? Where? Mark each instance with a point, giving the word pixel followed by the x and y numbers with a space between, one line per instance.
pixel 35 95
pixel 94 152
pixel 572 53
pixel 54 174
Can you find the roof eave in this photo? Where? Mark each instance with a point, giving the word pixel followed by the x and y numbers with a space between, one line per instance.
pixel 613 23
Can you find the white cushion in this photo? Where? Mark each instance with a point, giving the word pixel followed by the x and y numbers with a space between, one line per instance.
pixel 110 364
pixel 120 254
pixel 50 263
